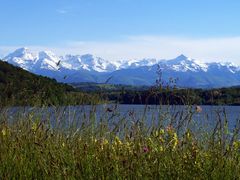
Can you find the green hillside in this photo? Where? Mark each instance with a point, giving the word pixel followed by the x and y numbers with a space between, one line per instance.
pixel 19 87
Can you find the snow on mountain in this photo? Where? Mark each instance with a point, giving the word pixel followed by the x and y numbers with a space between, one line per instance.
pixel 184 64
pixel 97 64
pixel 22 57
pixel 223 66
pixel 138 63
pixel 71 62
pixel 84 68
pixel 88 62
pixel 47 60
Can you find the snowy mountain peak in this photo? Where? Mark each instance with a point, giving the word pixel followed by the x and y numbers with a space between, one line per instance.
pixel 21 53
pixel 21 57
pixel 48 60
pixel 183 64
pixel 88 62
pixel 97 64
pixel 182 57
pixel 47 54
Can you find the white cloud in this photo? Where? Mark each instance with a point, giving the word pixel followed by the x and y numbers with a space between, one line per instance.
pixel 137 47
pixel 61 11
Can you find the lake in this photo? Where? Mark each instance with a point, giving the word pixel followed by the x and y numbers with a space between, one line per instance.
pixel 154 115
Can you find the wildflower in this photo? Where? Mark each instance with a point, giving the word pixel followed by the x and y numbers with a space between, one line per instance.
pixel 175 140
pixel 63 144
pixel 118 141
pixel 150 140
pixel 34 127
pixel 127 144
pixel 145 149
pixel 162 131
pixel 169 128
pixel 159 132
pixel 188 135
pixel 128 147
pixel 161 149
pixel 161 139
pixel 4 132
pixel 105 142
pixel 93 139
pixel 236 144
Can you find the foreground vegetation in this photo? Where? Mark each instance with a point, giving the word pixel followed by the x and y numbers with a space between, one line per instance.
pixel 117 147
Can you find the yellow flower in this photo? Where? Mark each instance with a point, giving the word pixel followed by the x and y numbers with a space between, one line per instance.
pixel 105 142
pixel 162 131
pixel 34 126
pixel 161 139
pixel 175 137
pixel 161 149
pixel 150 140
pixel 93 139
pixel 63 144
pixel 4 132
pixel 127 144
pixel 156 134
pixel 236 144
pixel 175 140
pixel 118 141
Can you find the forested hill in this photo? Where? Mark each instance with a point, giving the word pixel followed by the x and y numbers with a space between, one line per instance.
pixel 20 87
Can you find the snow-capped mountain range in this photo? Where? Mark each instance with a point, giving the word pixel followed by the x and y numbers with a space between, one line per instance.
pixel 28 60
pixel 88 68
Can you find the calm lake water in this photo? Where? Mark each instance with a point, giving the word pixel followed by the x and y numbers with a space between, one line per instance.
pixel 151 114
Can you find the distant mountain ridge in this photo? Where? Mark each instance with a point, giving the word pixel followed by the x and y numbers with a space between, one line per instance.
pixel 88 68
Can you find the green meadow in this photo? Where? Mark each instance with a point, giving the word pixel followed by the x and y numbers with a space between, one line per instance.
pixel 33 148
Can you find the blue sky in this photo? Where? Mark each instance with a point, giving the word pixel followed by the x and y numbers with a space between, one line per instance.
pixel 115 29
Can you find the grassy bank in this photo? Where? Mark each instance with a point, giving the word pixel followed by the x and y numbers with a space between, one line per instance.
pixel 129 148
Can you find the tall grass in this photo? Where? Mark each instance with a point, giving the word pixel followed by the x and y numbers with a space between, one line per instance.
pixel 61 144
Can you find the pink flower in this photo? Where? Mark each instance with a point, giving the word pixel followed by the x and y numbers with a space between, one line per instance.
pixel 145 149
